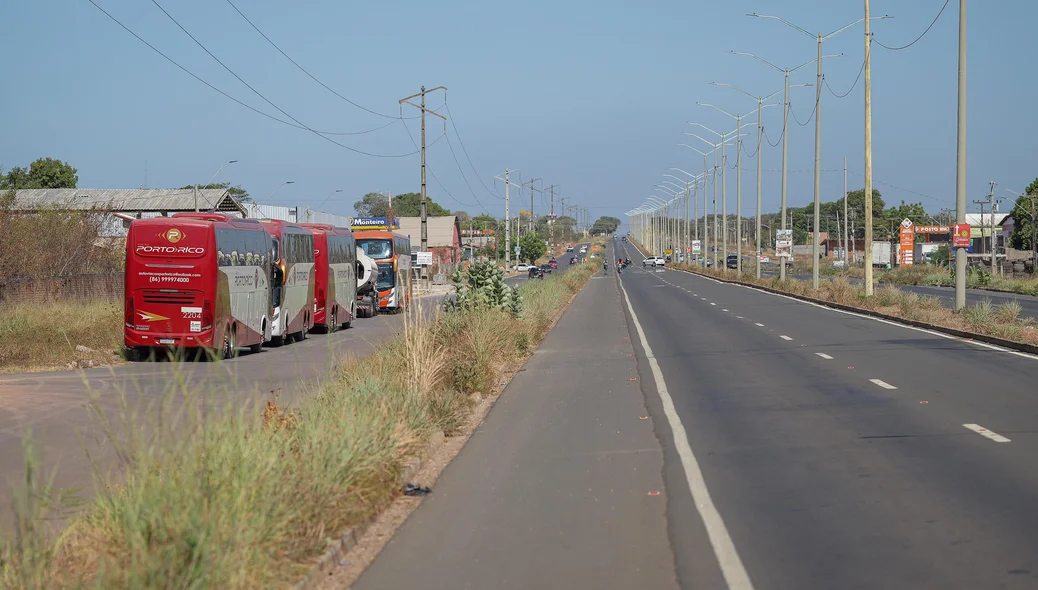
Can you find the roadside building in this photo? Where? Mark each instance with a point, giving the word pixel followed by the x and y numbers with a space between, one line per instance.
pixel 444 234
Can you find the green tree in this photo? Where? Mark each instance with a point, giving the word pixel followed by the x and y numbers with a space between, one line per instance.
pixel 237 192
pixel 405 205
pixel 43 173
pixel 483 222
pixel 532 246
pixel 1023 220
pixel 605 225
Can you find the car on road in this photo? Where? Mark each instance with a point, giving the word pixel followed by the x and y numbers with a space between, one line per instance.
pixel 569 248
pixel 732 261
pixel 535 272
pixel 523 267
pixel 653 261
pixel 553 264
pixel 546 268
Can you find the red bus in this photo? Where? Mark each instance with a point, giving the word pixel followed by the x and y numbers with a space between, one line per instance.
pixel 293 290
pixel 335 255
pixel 392 252
pixel 197 280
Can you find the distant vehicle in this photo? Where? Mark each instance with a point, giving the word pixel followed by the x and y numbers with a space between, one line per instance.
pixel 197 281
pixel 547 268
pixel 553 264
pixel 583 249
pixel 839 263
pixel 522 267
pixel 732 261
pixel 572 259
pixel 623 239
pixel 881 254
pixel 335 254
pixel 367 276
pixel 535 272
pixel 392 252
pixel 569 248
pixel 295 278
pixel 653 261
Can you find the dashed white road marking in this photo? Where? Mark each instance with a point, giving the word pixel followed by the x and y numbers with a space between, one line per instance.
pixel 724 310
pixel 784 337
pixel 758 324
pixel 739 316
pixel 825 356
pixel 882 384
pixel 987 433
pixel 732 569
pixel 712 303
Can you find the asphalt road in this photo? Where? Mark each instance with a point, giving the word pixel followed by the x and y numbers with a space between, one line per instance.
pixel 802 448
pixel 554 488
pixel 1028 304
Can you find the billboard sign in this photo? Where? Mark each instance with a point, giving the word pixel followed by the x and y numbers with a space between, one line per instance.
pixel 961 235
pixel 907 250
pixel 784 243
pixel 697 246
pixel 424 258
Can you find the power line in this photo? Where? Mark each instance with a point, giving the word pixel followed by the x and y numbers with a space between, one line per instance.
pixel 433 174
pixel 811 116
pixel 920 36
pixel 776 144
pixel 259 94
pixel 463 177
pixel 826 82
pixel 466 152
pixel 304 70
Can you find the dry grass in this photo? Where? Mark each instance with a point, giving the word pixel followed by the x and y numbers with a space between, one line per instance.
pixel 245 498
pixel 1002 321
pixel 34 337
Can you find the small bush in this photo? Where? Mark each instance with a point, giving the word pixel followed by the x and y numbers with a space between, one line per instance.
pixel 979 317
pixel 1008 312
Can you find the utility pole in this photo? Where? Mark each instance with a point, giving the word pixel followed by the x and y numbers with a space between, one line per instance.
pixel 424 199
pixel 846 219
pixel 551 219
pixel 868 156
pixel 738 197
pixel 818 167
pixel 757 252
pixel 508 221
pixel 532 190
pixel 960 162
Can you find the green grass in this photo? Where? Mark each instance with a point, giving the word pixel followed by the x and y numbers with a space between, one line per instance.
pixel 45 335
pixel 241 498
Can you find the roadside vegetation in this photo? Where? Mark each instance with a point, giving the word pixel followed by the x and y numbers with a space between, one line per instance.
pixel 1002 321
pixel 59 335
pixel 248 498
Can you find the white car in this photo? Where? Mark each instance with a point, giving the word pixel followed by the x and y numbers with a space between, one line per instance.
pixel 654 261
pixel 523 267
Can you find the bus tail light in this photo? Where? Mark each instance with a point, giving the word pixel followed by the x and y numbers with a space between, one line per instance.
pixel 130 315
pixel 207 315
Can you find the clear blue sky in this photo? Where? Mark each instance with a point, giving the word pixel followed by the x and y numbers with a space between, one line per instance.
pixel 590 96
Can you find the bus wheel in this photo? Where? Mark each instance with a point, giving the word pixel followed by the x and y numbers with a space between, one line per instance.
pixel 233 343
pixel 332 325
pixel 255 348
pixel 353 314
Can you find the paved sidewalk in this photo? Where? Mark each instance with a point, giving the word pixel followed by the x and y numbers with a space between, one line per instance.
pixel 560 487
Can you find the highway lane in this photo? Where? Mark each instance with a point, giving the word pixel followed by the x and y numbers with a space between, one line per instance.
pixel 840 451
pixel 559 487
pixel 54 405
pixel 1028 304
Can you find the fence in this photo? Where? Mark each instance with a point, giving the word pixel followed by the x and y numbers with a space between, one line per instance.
pixel 66 288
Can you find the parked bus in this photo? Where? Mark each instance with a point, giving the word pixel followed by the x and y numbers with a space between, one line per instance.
pixel 197 281
pixel 335 254
pixel 294 279
pixel 392 252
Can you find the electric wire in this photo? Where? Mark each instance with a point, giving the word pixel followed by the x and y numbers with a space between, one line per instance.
pixel 450 116
pixel 433 174
pixel 312 77
pixel 259 94
pixel 920 36
pixel 811 116
pixel 463 177
pixel 825 80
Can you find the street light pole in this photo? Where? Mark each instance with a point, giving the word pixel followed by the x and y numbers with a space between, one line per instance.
pixel 960 163
pixel 818 131
pixel 206 185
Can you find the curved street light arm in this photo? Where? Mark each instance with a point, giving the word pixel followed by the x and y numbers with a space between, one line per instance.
pixel 717 133
pixel 695 149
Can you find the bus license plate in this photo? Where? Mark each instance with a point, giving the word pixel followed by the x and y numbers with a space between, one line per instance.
pixel 166 341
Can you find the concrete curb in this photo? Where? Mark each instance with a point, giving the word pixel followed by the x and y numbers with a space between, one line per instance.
pixel 352 536
pixel 993 340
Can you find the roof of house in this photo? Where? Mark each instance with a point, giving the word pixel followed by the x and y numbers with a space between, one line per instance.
pixel 136 200
pixel 440 230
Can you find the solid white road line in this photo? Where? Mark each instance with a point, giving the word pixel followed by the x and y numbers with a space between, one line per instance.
pixel 758 324
pixel 882 384
pixel 784 337
pixel 825 356
pixel 735 575
pixel 986 433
